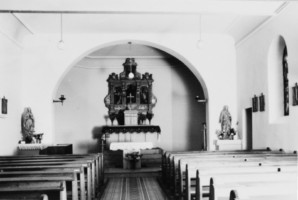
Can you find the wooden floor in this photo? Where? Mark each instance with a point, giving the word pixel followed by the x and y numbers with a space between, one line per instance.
pixel 133 184
pixel 133 188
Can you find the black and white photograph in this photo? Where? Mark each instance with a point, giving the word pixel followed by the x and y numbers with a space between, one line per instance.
pixel 255 104
pixel 148 100
pixel 295 95
pixel 262 102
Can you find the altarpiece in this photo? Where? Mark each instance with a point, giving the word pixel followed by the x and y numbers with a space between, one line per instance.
pixel 130 99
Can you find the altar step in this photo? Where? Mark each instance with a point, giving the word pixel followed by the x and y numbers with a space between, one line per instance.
pixel 113 159
pixel 143 172
pixel 151 158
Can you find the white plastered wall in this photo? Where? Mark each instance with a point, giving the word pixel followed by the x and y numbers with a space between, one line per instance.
pixel 44 67
pixel 253 65
pixel 10 82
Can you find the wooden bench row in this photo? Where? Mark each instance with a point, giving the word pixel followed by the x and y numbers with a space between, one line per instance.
pixel 170 164
pixel 79 175
pixel 220 165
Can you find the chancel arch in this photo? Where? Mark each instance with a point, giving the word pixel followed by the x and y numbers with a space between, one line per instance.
pixel 176 84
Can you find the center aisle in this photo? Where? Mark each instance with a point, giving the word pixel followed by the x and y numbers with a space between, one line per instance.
pixel 133 188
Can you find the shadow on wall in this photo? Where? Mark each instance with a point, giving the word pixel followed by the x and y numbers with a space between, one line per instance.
pixel 188 114
pixel 93 146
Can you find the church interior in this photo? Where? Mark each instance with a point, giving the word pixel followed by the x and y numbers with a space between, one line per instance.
pixel 148 99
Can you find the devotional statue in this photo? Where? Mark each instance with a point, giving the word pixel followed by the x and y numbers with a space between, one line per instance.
pixel 225 119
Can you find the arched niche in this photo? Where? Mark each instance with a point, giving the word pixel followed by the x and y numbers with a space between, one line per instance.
pixel 184 68
pixel 278 101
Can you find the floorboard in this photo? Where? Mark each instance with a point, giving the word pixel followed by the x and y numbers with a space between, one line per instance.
pixel 133 188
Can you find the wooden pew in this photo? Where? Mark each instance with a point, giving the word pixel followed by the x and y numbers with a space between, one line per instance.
pixel 204 155
pixel 70 175
pixel 254 190
pixel 216 156
pixel 94 175
pixel 98 160
pixel 172 161
pixel 232 167
pixel 9 190
pixel 228 162
pixel 261 174
pixel 234 195
pixel 167 156
pixel 53 168
pixel 87 164
pixel 32 195
pixel 98 166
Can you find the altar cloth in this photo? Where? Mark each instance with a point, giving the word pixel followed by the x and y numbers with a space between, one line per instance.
pixel 31 146
pixel 128 146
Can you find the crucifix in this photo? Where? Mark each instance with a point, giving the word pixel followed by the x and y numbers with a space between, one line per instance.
pixel 130 97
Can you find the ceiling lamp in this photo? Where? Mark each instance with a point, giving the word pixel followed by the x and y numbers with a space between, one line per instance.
pixel 200 42
pixel 61 44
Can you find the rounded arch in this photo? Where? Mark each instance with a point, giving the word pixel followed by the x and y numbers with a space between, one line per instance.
pixel 163 48
pixel 277 76
pixel 169 51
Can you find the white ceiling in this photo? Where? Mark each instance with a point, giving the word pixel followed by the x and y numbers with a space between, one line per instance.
pixel 237 18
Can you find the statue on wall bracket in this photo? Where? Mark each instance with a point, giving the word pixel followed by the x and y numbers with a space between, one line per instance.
pixel 130 91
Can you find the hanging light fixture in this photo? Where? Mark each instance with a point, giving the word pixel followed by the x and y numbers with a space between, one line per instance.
pixel 61 44
pixel 200 42
pixel 131 74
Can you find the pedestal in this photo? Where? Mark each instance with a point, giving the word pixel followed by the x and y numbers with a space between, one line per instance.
pixel 227 145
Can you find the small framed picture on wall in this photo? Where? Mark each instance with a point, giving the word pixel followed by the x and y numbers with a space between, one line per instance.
pixel 255 104
pixel 295 95
pixel 4 106
pixel 262 102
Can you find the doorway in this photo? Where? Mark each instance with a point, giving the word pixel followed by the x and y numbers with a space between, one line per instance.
pixel 248 122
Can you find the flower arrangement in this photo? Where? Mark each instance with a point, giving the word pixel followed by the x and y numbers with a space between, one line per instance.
pixel 220 135
pixel 142 118
pixel 231 133
pixel 134 156
pixel 226 135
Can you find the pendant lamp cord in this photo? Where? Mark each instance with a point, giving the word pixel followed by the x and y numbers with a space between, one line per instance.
pixel 130 56
pixel 200 26
pixel 61 27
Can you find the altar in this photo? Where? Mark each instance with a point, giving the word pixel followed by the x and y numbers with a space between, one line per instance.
pixel 137 134
pixel 131 148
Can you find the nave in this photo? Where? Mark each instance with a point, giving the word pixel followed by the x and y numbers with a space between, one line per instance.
pixel 187 175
